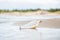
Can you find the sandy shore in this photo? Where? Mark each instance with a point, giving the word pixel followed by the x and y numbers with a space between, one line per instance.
pixel 50 23
pixel 30 13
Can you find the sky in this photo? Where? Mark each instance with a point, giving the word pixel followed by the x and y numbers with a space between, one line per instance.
pixel 29 4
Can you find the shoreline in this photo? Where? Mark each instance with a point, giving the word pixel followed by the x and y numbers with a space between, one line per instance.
pixel 49 23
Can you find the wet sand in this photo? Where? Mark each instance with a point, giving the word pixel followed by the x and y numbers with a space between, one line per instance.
pixel 49 23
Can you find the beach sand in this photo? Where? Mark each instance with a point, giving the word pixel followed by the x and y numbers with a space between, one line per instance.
pixel 49 23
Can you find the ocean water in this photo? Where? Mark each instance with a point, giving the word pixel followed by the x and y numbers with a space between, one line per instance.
pixel 9 31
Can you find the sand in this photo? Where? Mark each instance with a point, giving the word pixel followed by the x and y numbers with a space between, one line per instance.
pixel 50 23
